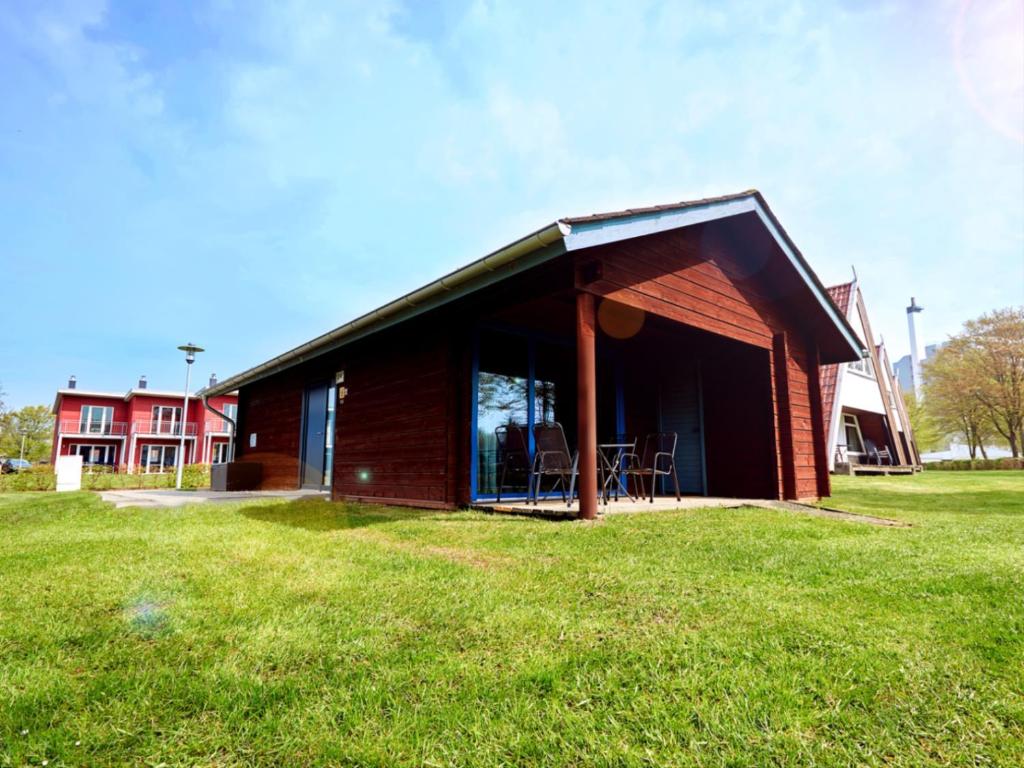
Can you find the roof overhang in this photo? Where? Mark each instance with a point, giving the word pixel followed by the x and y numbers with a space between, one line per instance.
pixel 563 235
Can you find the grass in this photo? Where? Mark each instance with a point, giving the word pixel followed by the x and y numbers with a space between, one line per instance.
pixel 297 634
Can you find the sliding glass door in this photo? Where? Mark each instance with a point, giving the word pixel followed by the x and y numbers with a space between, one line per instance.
pixel 518 382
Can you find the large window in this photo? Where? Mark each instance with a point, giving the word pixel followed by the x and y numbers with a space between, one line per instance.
pixel 94 455
pixel 96 420
pixel 166 420
pixel 158 458
pixel 511 369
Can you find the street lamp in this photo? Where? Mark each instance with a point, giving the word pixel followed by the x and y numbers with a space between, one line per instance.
pixel 24 434
pixel 190 350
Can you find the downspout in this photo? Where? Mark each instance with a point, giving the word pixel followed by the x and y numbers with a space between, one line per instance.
pixel 231 429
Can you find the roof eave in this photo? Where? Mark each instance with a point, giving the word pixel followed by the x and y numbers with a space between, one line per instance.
pixel 453 285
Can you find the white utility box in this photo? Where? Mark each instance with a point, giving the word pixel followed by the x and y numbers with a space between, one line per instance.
pixel 69 473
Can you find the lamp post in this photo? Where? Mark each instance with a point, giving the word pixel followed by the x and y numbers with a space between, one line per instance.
pixel 190 350
pixel 24 434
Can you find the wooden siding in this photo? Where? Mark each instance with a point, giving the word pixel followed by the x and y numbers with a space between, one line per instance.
pixel 272 409
pixel 690 276
pixel 392 436
pixel 801 466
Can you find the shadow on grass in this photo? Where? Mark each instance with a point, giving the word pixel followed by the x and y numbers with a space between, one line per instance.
pixel 323 515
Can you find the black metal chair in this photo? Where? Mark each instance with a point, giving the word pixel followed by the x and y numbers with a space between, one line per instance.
pixel 876 455
pixel 657 460
pixel 553 459
pixel 513 455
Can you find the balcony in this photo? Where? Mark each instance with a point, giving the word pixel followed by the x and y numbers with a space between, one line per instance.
pixel 94 429
pixel 216 427
pixel 163 428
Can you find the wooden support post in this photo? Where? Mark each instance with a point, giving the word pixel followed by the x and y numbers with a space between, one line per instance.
pixel 784 415
pixel 822 478
pixel 586 385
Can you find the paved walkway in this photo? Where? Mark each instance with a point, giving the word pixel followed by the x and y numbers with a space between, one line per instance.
pixel 169 498
pixel 558 510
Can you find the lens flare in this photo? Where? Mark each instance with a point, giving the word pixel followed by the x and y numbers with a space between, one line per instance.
pixel 988 52
pixel 618 320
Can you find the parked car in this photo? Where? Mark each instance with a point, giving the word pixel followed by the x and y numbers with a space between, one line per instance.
pixel 14 465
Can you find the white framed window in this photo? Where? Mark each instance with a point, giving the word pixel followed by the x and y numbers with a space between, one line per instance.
pixel 166 420
pixel 851 433
pixel 158 458
pixel 220 453
pixel 94 455
pixel 863 367
pixel 231 411
pixel 96 419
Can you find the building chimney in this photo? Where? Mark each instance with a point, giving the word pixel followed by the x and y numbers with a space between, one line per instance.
pixel 72 382
pixel 915 354
pixel 142 382
pixel 213 379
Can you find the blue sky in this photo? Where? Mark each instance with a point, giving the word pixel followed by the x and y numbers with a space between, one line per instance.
pixel 247 175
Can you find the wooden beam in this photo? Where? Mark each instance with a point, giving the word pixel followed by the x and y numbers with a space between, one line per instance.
pixel 586 385
pixel 783 415
pixel 890 416
pixel 824 481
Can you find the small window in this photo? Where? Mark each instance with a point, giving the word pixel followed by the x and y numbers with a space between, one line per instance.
pixel 851 430
pixel 863 367
pixel 220 453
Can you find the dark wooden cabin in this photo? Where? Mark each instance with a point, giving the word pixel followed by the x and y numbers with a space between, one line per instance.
pixel 700 318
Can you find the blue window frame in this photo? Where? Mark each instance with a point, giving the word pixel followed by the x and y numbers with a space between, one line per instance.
pixel 503 378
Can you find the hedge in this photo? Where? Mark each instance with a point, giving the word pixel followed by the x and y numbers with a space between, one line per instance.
pixel 102 479
pixel 961 464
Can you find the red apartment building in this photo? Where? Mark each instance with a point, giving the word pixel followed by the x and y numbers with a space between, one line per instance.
pixel 139 431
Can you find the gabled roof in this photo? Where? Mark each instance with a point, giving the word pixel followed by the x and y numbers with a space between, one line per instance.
pixel 563 235
pixel 840 295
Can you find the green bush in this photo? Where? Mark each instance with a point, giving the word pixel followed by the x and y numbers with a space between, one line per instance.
pixel 967 464
pixel 193 477
pixel 31 479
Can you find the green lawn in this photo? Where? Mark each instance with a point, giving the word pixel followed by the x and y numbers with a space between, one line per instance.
pixel 301 634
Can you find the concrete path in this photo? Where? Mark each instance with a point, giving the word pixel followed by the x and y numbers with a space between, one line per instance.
pixel 554 509
pixel 171 498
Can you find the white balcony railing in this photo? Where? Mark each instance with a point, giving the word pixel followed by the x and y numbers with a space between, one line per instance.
pixel 216 427
pixel 163 428
pixel 107 429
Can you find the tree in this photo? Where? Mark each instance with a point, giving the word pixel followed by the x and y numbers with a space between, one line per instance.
pixel 950 400
pixel 993 345
pixel 974 386
pixel 35 423
pixel 927 433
